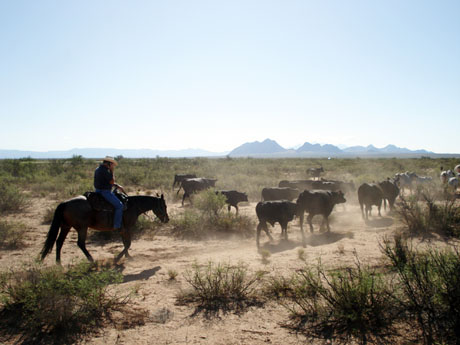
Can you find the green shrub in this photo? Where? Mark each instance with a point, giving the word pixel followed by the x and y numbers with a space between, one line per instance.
pixel 188 225
pixel 346 304
pixel 52 302
pixel 208 219
pixel 172 274
pixel 11 234
pixel 193 224
pixel 231 223
pixel 430 282
pixel 430 216
pixel 280 287
pixel 208 202
pixel 11 199
pixel 220 287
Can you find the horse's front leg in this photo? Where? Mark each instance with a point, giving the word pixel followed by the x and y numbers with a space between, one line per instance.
pixel 126 237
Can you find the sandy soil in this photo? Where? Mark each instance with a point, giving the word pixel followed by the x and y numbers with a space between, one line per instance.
pixel 146 274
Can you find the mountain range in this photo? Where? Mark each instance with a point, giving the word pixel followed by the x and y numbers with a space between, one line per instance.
pixel 265 149
pixel 270 148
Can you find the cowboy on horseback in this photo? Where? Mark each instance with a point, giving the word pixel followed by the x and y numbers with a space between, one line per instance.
pixel 104 180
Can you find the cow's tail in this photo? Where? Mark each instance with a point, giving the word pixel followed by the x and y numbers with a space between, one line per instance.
pixel 53 231
pixel 179 189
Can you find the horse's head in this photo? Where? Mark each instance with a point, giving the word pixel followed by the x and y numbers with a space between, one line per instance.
pixel 161 211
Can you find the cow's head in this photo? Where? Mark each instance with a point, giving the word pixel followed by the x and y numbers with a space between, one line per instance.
pixel 339 197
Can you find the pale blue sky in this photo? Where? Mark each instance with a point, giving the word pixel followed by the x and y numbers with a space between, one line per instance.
pixel 216 74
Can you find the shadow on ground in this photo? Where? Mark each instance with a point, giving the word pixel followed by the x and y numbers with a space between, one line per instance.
pixel 321 239
pixel 382 222
pixel 279 246
pixel 314 240
pixel 144 275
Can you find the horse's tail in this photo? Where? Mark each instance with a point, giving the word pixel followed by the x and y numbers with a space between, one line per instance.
pixel 54 230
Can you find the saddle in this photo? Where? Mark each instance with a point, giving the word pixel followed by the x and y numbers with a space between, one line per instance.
pixel 98 202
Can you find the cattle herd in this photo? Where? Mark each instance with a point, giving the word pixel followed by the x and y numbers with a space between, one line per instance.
pixel 315 196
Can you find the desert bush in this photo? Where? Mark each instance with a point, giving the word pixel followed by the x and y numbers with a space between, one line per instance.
pixel 430 282
pixel 345 304
pixel 172 274
pixel 220 287
pixel 429 216
pixel 11 199
pixel 208 202
pixel 192 224
pixel 280 287
pixel 231 223
pixel 11 234
pixel 412 215
pixel 208 219
pixel 188 225
pixel 56 167
pixel 42 302
pixel 77 161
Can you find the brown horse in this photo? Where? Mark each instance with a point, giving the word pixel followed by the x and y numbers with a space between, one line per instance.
pixel 77 213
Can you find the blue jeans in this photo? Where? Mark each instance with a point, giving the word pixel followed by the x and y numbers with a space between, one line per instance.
pixel 110 197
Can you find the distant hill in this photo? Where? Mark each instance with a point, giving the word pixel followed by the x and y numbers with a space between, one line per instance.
pixel 265 149
pixel 258 148
pixel 327 148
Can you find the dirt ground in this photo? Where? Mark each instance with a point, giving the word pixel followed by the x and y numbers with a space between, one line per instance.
pixel 147 276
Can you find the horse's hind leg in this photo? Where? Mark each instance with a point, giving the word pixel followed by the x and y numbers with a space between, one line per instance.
pixel 81 242
pixel 60 241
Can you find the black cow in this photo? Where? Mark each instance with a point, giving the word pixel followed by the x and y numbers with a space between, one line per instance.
pixel 315 172
pixel 233 198
pixel 326 185
pixel 299 184
pixel 390 192
pixel 344 186
pixel 318 202
pixel 279 193
pixel 369 194
pixel 193 185
pixel 281 211
pixel 178 178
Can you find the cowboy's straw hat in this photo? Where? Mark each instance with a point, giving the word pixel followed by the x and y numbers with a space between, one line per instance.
pixel 111 160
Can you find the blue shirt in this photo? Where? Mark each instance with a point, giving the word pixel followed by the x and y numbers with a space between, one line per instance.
pixel 102 178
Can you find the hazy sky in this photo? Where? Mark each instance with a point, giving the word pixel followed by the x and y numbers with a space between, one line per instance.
pixel 216 74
